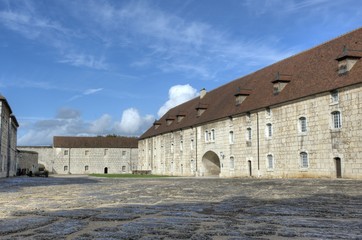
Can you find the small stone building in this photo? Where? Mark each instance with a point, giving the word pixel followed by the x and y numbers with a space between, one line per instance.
pixel 27 162
pixel 85 155
pixel 299 117
pixel 8 140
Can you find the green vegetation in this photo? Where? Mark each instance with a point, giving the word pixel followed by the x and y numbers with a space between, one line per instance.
pixel 127 175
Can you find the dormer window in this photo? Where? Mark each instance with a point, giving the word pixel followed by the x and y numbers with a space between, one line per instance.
pixel 281 80
pixel 180 116
pixel 169 120
pixel 156 124
pixel 347 60
pixel 201 108
pixel 241 95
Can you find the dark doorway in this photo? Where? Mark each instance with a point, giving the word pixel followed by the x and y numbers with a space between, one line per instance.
pixel 249 166
pixel 338 167
pixel 105 170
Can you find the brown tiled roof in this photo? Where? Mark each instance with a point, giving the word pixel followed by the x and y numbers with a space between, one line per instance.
pixel 307 73
pixel 95 142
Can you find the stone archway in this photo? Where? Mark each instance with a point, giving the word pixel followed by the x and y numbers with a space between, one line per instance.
pixel 210 164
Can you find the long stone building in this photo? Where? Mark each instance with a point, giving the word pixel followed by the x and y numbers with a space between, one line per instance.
pixel 299 117
pixel 8 140
pixel 85 155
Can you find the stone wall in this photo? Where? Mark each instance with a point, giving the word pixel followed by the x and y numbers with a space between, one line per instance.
pixel 94 160
pixel 27 161
pixel 86 160
pixel 45 155
pixel 8 138
pixel 319 150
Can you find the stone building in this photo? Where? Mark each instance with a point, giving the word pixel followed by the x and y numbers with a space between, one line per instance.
pixel 85 155
pixel 27 162
pixel 8 140
pixel 299 117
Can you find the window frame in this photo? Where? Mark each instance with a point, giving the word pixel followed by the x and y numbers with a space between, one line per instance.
pixel 232 163
pixel 231 137
pixel 302 121
pixel 304 159
pixel 269 130
pixel 270 162
pixel 334 96
pixel 336 120
pixel 249 134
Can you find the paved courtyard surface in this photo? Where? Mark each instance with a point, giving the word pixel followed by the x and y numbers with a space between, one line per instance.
pixel 78 207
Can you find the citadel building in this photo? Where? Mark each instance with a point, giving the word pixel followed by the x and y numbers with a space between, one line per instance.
pixel 299 117
pixel 8 140
pixel 85 155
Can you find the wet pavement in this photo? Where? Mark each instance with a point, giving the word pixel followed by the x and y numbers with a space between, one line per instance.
pixel 79 207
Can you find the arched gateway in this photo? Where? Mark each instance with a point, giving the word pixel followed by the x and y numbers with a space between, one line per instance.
pixel 210 164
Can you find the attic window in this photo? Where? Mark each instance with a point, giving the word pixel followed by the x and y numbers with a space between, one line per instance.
pixel 347 60
pixel 241 95
pixel 281 80
pixel 156 124
pixel 180 116
pixel 169 121
pixel 201 108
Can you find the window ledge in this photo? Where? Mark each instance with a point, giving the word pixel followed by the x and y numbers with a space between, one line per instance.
pixel 303 169
pixel 333 103
pixel 336 129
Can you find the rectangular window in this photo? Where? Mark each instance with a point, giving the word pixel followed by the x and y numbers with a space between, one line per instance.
pixel 303 124
pixel 124 153
pixel 65 168
pixel 334 96
pixel 86 152
pixel 206 136
pixel 192 144
pixel 270 161
pixel 181 145
pixel 304 160
pixel 105 152
pixel 232 163
pixel 248 134
pixel 269 130
pixel 336 120
pixel 66 152
pixel 86 167
pixel 231 137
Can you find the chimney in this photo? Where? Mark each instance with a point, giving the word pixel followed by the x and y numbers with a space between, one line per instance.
pixel 202 93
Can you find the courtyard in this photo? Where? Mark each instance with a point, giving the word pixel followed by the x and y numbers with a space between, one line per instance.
pixel 82 207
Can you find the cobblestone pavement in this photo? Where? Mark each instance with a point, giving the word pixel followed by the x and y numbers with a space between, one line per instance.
pixel 79 207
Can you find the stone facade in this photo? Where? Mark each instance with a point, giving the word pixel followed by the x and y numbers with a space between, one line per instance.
pixel 8 136
pixel 86 155
pixel 27 162
pixel 315 135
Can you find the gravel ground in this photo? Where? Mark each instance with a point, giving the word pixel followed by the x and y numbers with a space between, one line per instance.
pixel 81 207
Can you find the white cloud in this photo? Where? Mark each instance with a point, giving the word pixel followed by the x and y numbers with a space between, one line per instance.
pixel 69 122
pixel 92 90
pixel 84 93
pixel 101 125
pixel 176 95
pixel 133 123
pixel 84 60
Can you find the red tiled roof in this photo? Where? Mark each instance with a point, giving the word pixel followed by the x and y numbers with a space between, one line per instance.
pixel 95 142
pixel 307 73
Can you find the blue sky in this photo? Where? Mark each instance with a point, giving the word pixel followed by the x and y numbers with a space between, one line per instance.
pixel 99 67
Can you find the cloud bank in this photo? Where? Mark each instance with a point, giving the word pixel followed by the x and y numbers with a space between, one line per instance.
pixel 69 121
